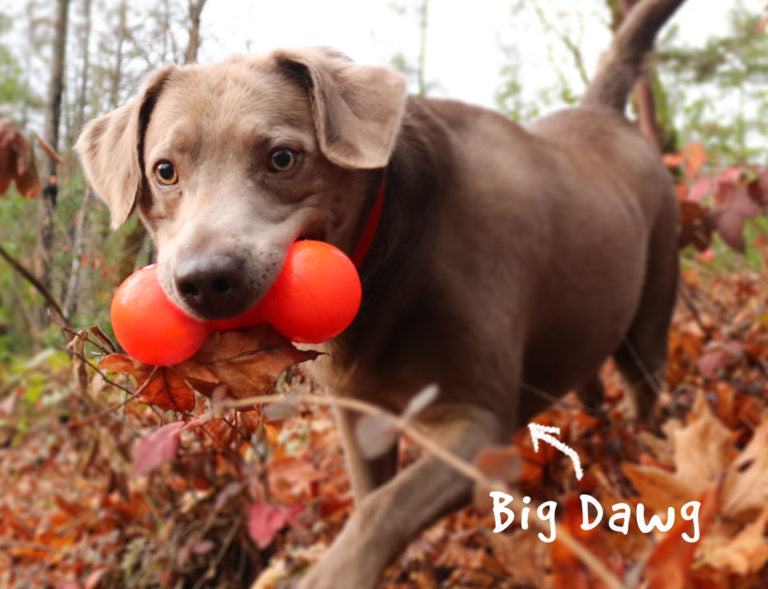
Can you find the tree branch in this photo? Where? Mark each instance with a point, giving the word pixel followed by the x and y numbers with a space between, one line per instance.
pixel 52 303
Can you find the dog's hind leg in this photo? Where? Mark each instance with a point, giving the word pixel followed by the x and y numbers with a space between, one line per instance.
pixel 592 394
pixel 643 354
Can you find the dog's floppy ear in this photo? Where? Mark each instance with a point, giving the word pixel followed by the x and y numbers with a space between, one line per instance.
pixel 110 149
pixel 356 108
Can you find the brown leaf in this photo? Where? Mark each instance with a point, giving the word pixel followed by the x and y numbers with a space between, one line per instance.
pixel 745 489
pixel 701 454
pixel 294 476
pixel 658 489
pixel 240 363
pixel 245 361
pixel 703 448
pixel 166 387
pixel 17 162
pixel 695 225
pixel 744 554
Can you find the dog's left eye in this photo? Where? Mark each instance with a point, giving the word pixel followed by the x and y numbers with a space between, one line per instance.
pixel 281 159
pixel 166 173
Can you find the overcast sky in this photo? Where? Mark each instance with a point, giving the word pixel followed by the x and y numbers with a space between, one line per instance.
pixel 464 38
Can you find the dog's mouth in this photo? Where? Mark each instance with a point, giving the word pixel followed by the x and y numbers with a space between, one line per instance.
pixel 315 231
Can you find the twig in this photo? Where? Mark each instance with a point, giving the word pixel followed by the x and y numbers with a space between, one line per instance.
pixel 682 289
pixel 52 303
pixel 30 545
pixel 132 395
pixel 406 427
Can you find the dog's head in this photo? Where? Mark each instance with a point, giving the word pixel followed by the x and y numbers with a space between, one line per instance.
pixel 228 164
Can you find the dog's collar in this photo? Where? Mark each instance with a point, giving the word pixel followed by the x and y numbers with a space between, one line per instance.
pixel 371 225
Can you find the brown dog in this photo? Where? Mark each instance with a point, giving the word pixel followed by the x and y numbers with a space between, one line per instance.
pixel 506 256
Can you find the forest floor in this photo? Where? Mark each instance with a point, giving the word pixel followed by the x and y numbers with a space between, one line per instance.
pixel 133 498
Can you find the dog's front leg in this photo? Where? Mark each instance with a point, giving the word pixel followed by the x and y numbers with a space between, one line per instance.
pixel 365 474
pixel 388 518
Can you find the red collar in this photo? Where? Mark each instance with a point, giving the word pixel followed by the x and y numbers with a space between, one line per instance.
pixel 371 225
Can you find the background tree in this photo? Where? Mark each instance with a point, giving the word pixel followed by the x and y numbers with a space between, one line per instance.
pixel 47 203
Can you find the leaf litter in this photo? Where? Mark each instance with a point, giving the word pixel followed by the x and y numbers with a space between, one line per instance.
pixel 174 488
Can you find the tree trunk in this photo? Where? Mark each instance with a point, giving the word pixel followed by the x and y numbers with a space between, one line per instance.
pixel 82 93
pixel 47 204
pixel 70 299
pixel 195 8
pixel 422 66
pixel 117 70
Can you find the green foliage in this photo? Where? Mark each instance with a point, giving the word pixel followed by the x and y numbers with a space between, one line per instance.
pixel 13 90
pixel 716 92
pixel 509 96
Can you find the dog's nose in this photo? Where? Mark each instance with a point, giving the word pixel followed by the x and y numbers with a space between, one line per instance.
pixel 213 285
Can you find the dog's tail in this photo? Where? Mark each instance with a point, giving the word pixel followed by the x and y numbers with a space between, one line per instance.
pixel 620 64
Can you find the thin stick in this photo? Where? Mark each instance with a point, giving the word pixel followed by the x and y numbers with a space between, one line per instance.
pixel 442 453
pixel 91 419
pixel 52 303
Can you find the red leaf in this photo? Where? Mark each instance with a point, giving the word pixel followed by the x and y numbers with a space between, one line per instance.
pixel 701 188
pixel 160 445
pixel 265 520
pixel 730 226
pixel 157 447
pixel 720 356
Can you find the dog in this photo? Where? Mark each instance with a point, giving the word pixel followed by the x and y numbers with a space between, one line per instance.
pixel 506 259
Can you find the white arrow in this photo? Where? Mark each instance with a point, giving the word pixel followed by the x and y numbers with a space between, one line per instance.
pixel 542 432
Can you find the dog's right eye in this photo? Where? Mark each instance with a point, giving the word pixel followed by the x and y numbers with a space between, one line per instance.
pixel 165 173
pixel 282 159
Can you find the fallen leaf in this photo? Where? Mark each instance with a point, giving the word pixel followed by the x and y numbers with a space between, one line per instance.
pixel 266 519
pixel 165 387
pixel 160 445
pixel 294 476
pixel 240 363
pixel 720 356
pixel 246 362
pixel 701 455
pixel 568 570
pixel 729 223
pixel 670 562
pixel 745 489
pixel 703 448
pixel 157 447
pixel 744 554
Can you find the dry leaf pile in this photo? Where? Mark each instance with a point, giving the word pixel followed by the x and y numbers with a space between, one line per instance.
pixel 119 474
